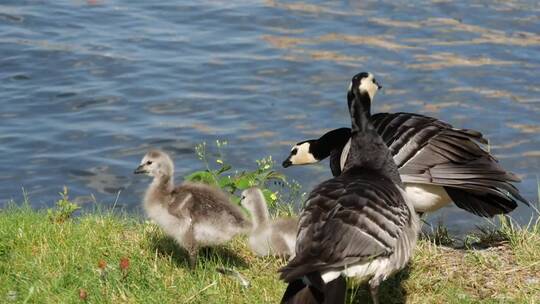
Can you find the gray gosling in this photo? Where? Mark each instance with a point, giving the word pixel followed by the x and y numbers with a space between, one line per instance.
pixel 194 214
pixel 268 237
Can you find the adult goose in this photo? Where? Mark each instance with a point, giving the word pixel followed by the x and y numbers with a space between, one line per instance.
pixel 357 224
pixel 194 214
pixel 438 163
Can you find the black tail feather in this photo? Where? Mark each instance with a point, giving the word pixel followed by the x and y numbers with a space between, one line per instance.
pixel 317 292
pixel 335 291
pixel 485 204
pixel 297 292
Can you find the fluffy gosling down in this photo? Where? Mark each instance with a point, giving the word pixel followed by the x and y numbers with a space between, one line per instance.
pixel 194 214
pixel 268 237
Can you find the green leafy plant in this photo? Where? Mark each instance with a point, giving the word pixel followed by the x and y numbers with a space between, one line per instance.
pixel 64 208
pixel 280 194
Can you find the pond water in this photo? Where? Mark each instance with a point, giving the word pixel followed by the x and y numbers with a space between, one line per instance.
pixel 89 86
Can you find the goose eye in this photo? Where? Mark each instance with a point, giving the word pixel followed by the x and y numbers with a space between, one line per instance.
pixel 149 162
pixel 294 151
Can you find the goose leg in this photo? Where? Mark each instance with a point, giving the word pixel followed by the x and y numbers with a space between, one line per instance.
pixel 374 290
pixel 191 246
pixel 192 257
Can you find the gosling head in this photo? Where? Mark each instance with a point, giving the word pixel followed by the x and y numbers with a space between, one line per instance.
pixel 250 197
pixel 156 163
pixel 301 154
pixel 363 83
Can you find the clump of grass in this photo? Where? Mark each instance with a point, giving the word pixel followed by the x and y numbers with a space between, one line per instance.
pixel 439 235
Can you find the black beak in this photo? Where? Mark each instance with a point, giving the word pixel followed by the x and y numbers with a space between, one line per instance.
pixel 286 163
pixel 140 169
pixel 378 85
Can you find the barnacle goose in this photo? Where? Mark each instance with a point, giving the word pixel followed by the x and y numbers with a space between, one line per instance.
pixel 268 237
pixel 437 163
pixel 357 224
pixel 311 151
pixel 194 214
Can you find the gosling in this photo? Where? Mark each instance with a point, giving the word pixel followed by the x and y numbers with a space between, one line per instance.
pixel 194 214
pixel 267 237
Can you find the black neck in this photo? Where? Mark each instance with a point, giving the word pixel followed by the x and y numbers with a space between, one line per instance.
pixel 330 141
pixel 365 101
pixel 368 150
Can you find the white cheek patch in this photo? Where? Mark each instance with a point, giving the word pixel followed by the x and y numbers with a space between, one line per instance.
pixel 367 85
pixel 302 156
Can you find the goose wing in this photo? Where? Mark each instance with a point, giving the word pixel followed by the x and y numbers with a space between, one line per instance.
pixel 430 151
pixel 348 219
pixel 181 202
pixel 205 202
pixel 406 134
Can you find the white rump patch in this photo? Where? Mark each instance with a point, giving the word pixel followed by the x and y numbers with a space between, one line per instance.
pixel 426 198
pixel 360 271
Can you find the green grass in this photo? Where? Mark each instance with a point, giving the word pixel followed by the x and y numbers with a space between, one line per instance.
pixel 77 260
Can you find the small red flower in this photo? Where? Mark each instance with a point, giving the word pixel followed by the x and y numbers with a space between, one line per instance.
pixel 124 263
pixel 83 295
pixel 101 264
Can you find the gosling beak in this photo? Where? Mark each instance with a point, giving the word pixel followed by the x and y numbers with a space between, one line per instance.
pixel 378 85
pixel 140 170
pixel 286 163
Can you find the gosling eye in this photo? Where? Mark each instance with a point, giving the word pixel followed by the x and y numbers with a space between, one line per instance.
pixel 294 151
pixel 149 162
pixel 374 81
pixel 243 197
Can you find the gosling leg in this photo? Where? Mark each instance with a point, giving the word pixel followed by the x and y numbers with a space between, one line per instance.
pixel 191 247
pixel 193 252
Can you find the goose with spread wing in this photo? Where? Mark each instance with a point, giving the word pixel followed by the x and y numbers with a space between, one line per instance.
pixel 437 162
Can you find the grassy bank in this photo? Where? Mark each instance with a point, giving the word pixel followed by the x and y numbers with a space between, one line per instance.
pixel 104 258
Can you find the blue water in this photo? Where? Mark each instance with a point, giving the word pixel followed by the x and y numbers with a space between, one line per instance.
pixel 89 86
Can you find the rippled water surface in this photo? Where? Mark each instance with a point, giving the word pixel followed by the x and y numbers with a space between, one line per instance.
pixel 89 86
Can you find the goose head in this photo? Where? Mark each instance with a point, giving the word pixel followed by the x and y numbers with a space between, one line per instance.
pixel 156 163
pixel 250 198
pixel 301 154
pixel 363 83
